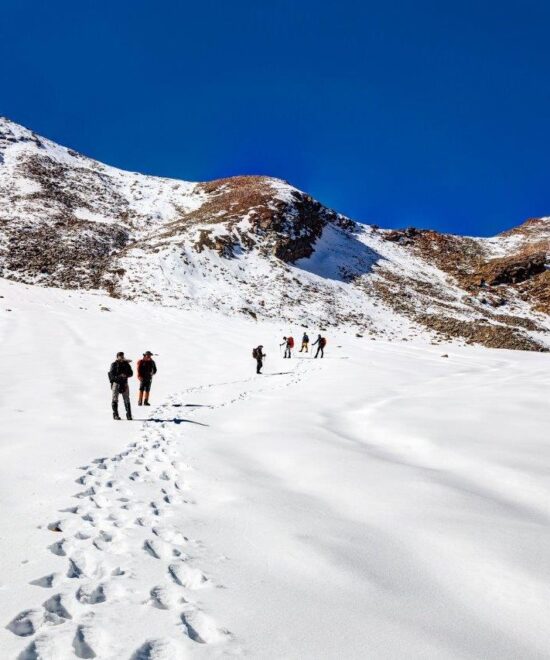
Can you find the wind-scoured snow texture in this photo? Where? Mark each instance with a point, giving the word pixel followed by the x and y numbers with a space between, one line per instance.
pixel 383 502
pixel 257 246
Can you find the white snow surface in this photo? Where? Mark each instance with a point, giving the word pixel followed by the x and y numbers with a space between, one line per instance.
pixel 383 502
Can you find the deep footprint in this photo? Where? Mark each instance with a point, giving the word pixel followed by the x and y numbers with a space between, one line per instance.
pixel 88 596
pixel 190 631
pixel 81 647
pixel 57 548
pixel 26 623
pixel 54 606
pixel 46 582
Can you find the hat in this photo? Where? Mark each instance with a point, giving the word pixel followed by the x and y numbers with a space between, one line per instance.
pixel 120 354
pixel 147 353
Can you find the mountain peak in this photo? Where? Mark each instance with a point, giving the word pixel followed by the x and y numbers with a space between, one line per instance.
pixel 259 246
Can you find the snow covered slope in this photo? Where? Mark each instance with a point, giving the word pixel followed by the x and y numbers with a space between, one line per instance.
pixel 257 246
pixel 383 502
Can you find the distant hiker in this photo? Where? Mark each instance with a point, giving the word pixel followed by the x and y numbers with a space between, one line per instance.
pixel 119 373
pixel 146 369
pixel 258 354
pixel 321 343
pixel 305 343
pixel 288 343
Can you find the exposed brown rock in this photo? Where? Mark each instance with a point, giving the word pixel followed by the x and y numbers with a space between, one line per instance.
pixel 514 269
pixel 478 332
pixel 287 229
pixel 65 255
pixel 474 267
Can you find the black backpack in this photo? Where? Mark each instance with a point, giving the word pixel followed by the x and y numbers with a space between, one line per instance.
pixel 255 353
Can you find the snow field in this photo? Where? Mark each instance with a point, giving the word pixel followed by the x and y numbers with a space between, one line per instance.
pixel 385 498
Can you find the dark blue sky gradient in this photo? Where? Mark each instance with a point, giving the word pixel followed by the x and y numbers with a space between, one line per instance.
pixel 435 114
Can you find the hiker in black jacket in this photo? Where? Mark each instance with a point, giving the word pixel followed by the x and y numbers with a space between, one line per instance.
pixel 119 373
pixel 258 354
pixel 146 369
pixel 321 342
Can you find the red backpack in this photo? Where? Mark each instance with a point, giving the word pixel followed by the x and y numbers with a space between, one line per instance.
pixel 323 342
pixel 290 342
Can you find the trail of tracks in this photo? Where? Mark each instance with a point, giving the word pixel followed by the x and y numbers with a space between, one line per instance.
pixel 125 560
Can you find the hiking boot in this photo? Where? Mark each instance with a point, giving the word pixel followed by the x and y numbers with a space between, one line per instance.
pixel 140 403
pixel 115 411
pixel 146 403
pixel 128 416
pixel 116 415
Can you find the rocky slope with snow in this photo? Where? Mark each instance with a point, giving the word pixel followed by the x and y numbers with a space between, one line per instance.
pixel 258 246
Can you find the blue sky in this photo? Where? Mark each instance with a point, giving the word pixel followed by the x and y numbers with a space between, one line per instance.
pixel 434 114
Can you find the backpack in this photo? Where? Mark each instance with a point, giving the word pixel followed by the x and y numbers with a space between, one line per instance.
pixel 290 342
pixel 255 353
pixel 323 342
pixel 305 339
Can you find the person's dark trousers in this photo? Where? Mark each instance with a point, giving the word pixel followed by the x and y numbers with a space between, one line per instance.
pixel 319 350
pixel 287 352
pixel 125 393
pixel 144 389
pixel 145 384
pixel 259 365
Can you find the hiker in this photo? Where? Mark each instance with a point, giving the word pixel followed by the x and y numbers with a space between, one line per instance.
pixel 288 343
pixel 305 343
pixel 321 343
pixel 146 369
pixel 258 354
pixel 119 373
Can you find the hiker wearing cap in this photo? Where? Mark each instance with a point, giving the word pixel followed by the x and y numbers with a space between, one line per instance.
pixel 119 373
pixel 146 369
pixel 258 354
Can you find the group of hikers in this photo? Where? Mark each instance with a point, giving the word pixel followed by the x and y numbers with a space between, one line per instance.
pixel 121 370
pixel 288 342
pixel 119 373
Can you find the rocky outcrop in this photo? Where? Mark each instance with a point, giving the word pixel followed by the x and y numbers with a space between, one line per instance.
pixel 513 270
pixel 256 215
pixel 479 332
pixel 67 254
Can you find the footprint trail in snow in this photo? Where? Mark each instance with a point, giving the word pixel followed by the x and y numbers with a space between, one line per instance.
pixel 125 562
pixel 130 506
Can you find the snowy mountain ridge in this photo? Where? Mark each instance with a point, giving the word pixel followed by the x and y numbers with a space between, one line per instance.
pixel 257 246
